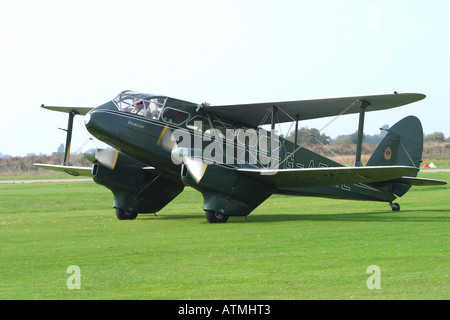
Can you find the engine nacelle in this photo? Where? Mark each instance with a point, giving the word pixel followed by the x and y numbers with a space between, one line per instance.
pixel 135 190
pixel 228 193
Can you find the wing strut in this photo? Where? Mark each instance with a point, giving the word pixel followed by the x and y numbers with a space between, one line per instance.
pixel 296 131
pixel 68 138
pixel 72 111
pixel 272 133
pixel 362 109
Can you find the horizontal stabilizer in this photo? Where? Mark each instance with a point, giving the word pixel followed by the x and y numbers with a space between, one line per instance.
pixel 75 110
pixel 420 181
pixel 72 170
pixel 315 177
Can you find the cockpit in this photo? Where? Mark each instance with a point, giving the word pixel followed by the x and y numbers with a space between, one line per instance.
pixel 143 104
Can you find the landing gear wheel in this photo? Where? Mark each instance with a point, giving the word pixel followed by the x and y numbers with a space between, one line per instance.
pixel 123 214
pixel 215 217
pixel 394 206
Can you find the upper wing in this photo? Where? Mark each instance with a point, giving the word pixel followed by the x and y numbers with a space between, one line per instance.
pixel 76 110
pixel 72 170
pixel 314 177
pixel 253 114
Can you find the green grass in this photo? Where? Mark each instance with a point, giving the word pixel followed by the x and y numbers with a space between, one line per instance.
pixel 290 248
pixel 41 174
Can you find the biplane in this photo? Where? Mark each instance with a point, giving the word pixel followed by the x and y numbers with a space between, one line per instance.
pixel 158 145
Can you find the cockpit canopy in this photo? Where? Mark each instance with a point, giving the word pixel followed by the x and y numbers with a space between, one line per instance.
pixel 143 104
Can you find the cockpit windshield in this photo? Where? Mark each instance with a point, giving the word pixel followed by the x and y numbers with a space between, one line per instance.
pixel 143 104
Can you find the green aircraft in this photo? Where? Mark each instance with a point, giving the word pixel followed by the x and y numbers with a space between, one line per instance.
pixel 159 145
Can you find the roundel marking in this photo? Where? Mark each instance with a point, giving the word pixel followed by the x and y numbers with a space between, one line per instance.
pixel 387 154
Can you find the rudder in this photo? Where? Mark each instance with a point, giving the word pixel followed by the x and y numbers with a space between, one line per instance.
pixel 403 145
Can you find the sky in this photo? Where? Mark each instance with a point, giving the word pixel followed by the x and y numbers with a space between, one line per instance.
pixel 83 53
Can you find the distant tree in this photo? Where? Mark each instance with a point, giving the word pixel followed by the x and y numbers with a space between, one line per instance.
pixel 60 148
pixel 435 137
pixel 309 136
pixel 353 138
pixel 4 155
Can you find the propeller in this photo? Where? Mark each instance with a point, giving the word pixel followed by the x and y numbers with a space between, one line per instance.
pixel 166 139
pixel 107 157
pixel 180 155
pixel 195 166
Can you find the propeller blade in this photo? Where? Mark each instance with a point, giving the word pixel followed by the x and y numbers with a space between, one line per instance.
pixel 107 157
pixel 165 139
pixel 196 167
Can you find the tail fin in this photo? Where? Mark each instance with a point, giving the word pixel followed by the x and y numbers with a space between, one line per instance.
pixel 403 145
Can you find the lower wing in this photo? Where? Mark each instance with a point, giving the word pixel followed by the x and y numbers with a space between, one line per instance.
pixel 315 177
pixel 72 170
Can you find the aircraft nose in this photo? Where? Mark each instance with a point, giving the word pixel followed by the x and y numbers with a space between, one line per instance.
pixel 104 125
pixel 90 121
pixel 97 123
pixel 87 118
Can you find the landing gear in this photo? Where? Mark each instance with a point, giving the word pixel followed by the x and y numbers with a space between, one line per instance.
pixel 215 217
pixel 394 206
pixel 123 214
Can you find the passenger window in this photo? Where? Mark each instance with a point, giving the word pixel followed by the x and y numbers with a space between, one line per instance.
pixel 198 124
pixel 140 104
pixel 219 129
pixel 222 127
pixel 174 116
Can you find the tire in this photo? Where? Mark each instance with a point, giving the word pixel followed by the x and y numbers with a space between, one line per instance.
pixel 123 214
pixel 215 217
pixel 395 206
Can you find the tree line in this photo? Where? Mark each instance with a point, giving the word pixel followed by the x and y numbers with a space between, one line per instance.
pixel 11 165
pixel 306 136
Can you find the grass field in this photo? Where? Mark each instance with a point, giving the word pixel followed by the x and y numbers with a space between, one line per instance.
pixel 290 248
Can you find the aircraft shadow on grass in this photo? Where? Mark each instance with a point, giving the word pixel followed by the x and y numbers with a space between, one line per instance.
pixel 349 217
pixel 376 216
